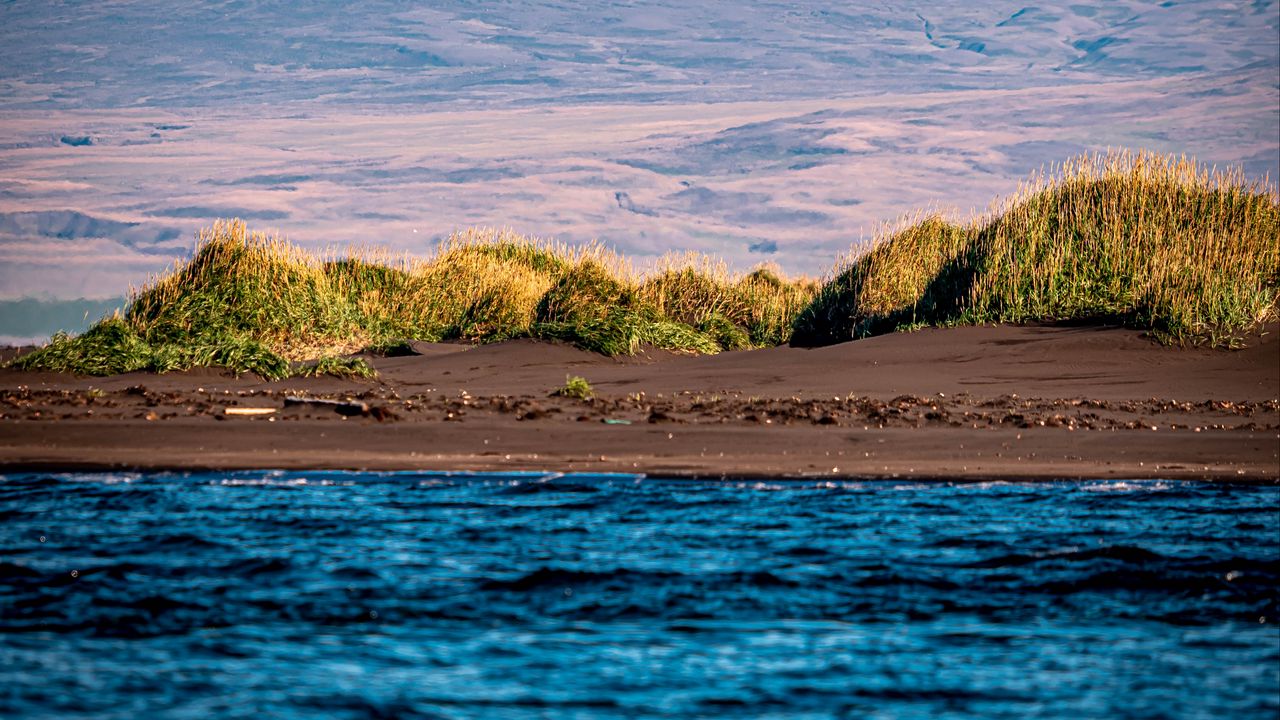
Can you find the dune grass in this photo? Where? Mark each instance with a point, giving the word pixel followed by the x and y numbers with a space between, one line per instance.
pixel 1158 243
pixel 1153 242
pixel 254 303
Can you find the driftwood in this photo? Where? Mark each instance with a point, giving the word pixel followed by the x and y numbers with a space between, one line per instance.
pixel 247 411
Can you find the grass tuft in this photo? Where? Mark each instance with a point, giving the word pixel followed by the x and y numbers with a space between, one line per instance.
pixel 575 387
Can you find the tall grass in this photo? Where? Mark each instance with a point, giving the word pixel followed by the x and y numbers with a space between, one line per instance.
pixel 1160 243
pixel 255 303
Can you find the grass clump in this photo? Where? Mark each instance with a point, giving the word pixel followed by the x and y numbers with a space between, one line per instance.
pixel 617 333
pixel 342 367
pixel 698 302
pixel 595 309
pixel 679 337
pixel 110 347
pixel 1157 243
pixel 114 346
pixel 605 310
pixel 575 387
pixel 756 310
pixel 772 305
pixel 238 352
pixel 585 291
pixel 887 287
pixel 477 297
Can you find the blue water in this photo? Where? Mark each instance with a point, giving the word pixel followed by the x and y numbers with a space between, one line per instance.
pixel 301 595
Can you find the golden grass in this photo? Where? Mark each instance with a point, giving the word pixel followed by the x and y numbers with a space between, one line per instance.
pixel 1161 243
pixel 255 302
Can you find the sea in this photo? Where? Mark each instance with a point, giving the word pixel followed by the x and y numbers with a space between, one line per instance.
pixel 272 594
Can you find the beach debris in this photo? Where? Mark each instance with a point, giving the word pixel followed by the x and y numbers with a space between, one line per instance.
pixel 345 408
pixel 615 421
pixel 531 411
pixel 246 411
pixel 348 408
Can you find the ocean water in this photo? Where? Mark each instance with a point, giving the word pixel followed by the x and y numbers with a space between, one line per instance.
pixel 357 595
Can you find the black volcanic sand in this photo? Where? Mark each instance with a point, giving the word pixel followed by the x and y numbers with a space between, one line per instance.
pixel 961 403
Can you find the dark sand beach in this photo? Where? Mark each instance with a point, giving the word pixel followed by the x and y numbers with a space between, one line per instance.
pixel 964 404
pixel 971 403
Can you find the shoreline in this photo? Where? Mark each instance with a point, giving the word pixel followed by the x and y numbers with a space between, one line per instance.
pixel 956 404
pixel 896 454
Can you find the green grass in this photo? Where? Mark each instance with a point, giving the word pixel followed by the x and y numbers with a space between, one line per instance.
pixel 338 367
pixel 1156 243
pixel 113 346
pixel 575 387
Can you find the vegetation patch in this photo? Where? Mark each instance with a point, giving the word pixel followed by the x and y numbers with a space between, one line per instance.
pixel 113 346
pixel 254 303
pixel 1156 243
pixel 576 387
pixel 341 367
